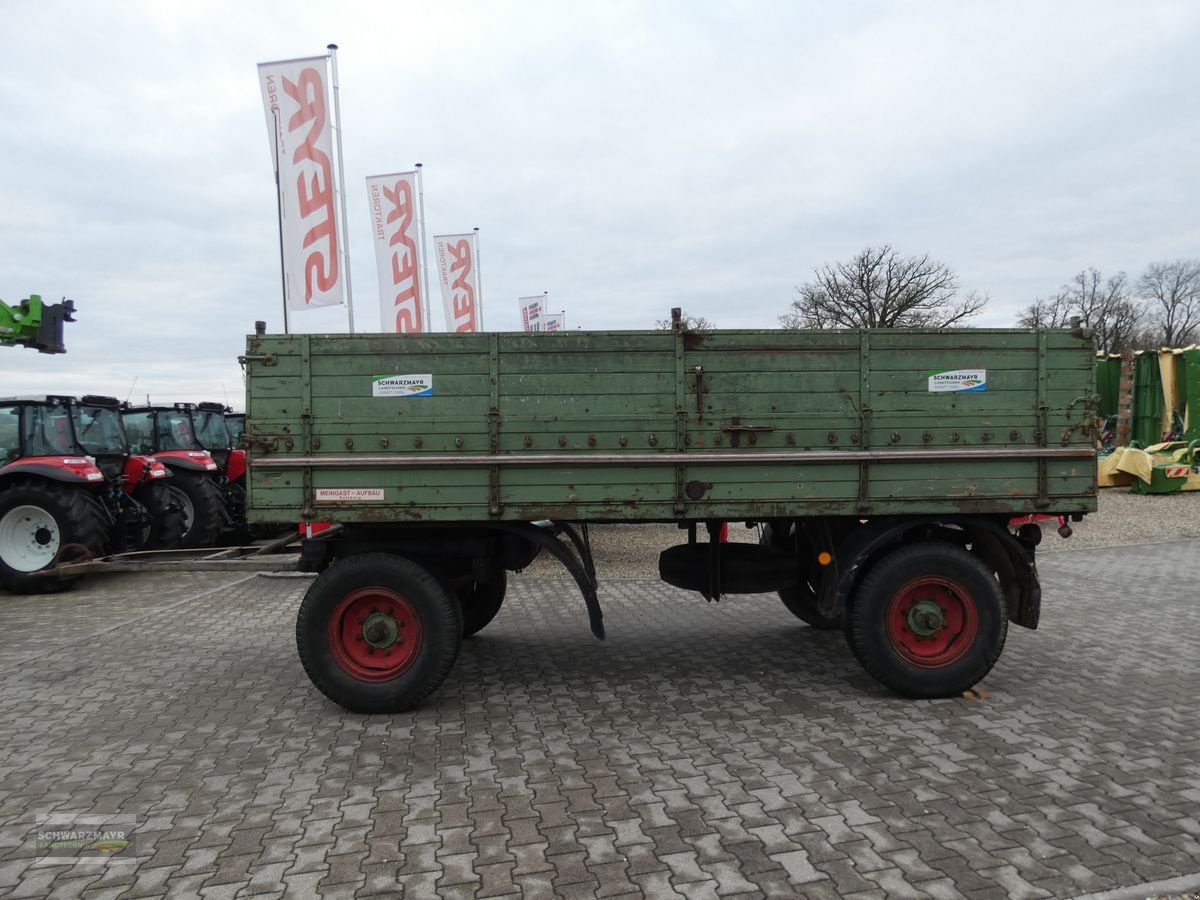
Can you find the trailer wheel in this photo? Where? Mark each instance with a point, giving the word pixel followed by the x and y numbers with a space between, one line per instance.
pixel 165 529
pixel 928 620
pixel 801 600
pixel 482 600
pixel 377 633
pixel 198 496
pixel 39 520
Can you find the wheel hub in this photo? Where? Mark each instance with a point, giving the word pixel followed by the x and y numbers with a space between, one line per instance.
pixel 29 538
pixel 926 618
pixel 380 630
pixel 932 621
pixel 375 634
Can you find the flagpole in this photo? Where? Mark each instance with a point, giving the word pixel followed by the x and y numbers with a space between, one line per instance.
pixel 478 283
pixel 424 267
pixel 337 125
pixel 279 216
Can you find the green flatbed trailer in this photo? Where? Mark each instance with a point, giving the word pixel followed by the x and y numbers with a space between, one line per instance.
pixel 885 467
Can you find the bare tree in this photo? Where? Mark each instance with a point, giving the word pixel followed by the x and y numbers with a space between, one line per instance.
pixel 1105 305
pixel 1175 288
pixel 690 323
pixel 878 288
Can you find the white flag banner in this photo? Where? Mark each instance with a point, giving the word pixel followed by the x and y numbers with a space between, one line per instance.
pixel 531 312
pixel 295 97
pixel 392 201
pixel 458 274
pixel 553 321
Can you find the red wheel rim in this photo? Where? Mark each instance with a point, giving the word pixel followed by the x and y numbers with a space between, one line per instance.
pixel 932 621
pixel 374 634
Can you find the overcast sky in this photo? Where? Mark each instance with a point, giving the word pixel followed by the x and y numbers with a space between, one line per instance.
pixel 624 157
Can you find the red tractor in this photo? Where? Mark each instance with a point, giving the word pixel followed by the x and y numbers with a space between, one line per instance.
pixel 166 433
pixel 212 426
pixel 70 488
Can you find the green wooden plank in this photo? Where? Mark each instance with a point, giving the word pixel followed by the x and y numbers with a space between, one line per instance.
pixel 583 362
pixel 619 384
pixel 440 365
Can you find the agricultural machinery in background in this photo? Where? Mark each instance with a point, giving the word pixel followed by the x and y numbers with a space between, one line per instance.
pixel 211 422
pixel 70 488
pixel 236 423
pixel 32 323
pixel 167 434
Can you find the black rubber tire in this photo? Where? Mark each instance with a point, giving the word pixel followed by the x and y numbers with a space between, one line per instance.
pixel 78 518
pixel 867 630
pixel 801 600
pixel 441 624
pixel 166 516
pixel 208 507
pixel 482 600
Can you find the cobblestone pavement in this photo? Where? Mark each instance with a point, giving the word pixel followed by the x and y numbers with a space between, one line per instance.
pixel 703 750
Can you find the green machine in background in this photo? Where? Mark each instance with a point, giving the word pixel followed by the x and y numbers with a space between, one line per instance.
pixel 32 323
pixel 1166 395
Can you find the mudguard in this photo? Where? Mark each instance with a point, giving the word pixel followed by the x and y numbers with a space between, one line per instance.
pixel 70 469
pixel 190 460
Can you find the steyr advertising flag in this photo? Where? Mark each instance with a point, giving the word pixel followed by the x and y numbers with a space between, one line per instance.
pixel 531 312
pixel 392 200
pixel 295 97
pixel 458 273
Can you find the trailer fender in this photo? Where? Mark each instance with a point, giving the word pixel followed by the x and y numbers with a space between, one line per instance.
pixel 580 566
pixel 1003 552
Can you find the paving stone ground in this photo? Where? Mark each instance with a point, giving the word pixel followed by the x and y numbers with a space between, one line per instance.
pixel 720 750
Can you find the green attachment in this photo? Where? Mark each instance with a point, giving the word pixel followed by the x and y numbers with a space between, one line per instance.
pixel 34 324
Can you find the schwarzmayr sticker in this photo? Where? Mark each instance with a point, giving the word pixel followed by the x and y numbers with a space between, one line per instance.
pixel 957 380
pixel 402 386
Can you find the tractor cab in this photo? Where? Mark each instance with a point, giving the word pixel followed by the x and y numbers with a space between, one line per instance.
pixel 212 431
pixel 37 434
pixel 96 423
pixel 236 423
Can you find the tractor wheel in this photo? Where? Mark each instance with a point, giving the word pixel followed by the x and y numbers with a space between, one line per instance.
pixel 928 620
pixel 377 633
pixel 165 530
pixel 37 521
pixel 239 532
pixel 481 600
pixel 199 497
pixel 801 600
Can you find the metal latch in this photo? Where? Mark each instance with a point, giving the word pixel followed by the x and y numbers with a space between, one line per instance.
pixel 267 359
pixel 735 428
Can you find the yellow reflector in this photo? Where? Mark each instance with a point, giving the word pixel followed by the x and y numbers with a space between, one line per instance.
pixel 824 557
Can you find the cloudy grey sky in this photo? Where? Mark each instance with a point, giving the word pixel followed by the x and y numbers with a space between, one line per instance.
pixel 627 157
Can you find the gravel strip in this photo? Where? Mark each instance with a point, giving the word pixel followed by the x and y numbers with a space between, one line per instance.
pixel 631 551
